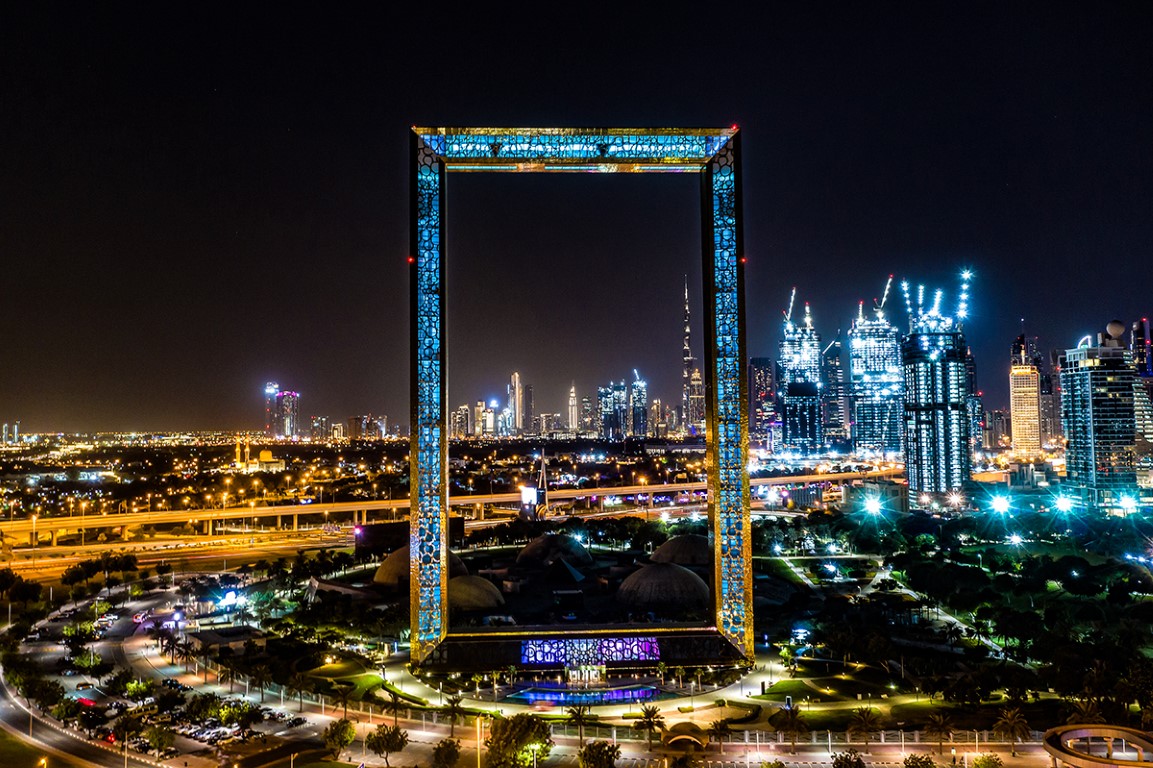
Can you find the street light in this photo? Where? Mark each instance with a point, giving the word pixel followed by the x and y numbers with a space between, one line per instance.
pixel 1000 504
pixel 1128 504
pixel 873 505
pixel 1064 504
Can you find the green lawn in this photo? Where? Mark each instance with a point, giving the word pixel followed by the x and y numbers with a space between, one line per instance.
pixel 16 754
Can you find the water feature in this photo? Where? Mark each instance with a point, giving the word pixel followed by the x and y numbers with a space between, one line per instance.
pixel 586 696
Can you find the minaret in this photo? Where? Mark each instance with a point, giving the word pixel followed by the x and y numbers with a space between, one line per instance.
pixel 688 363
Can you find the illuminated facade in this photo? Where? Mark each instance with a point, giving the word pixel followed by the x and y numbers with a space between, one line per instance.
pixel 287 417
pixel 762 397
pixel 711 153
pixel 937 450
pixel 638 407
pixel 1100 423
pixel 1025 408
pixel 271 389
pixel 876 384
pixel 835 395
pixel 800 382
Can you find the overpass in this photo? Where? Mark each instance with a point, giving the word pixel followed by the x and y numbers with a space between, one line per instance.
pixel 357 512
pixel 1062 745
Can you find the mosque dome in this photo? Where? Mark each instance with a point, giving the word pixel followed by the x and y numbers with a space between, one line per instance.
pixel 547 549
pixel 473 593
pixel 664 586
pixel 686 549
pixel 395 568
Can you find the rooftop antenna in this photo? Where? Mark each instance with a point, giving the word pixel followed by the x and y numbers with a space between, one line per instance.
pixel 636 375
pixel 808 316
pixel 920 299
pixel 861 311
pixel 908 300
pixel 936 308
pixel 792 300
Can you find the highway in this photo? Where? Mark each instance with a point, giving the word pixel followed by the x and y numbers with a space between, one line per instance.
pixel 358 511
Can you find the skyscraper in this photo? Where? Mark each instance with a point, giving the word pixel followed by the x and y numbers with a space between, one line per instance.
pixel 834 395
pixel 937 458
pixel 574 425
pixel 1142 355
pixel 528 415
pixel 876 382
pixel 318 430
pixel 516 403
pixel 800 381
pixel 688 365
pixel 762 397
pixel 1025 397
pixel 270 412
pixel 461 425
pixel 287 415
pixel 638 407
pixel 1100 423
pixel 696 413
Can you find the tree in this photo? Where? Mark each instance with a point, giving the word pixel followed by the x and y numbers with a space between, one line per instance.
pixel 988 760
pixel 338 735
pixel 580 716
pixel 387 739
pixel 260 676
pixel 650 721
pixel 512 741
pixel 939 726
pixel 453 713
pixel 446 753
pixel 850 758
pixel 298 684
pixel 1011 725
pixel 159 738
pixel 718 730
pixel 599 754
pixel 1084 712
pixel 791 722
pixel 66 710
pixel 864 722
pixel 917 760
pixel 127 726
pixel 341 695
pixel 394 705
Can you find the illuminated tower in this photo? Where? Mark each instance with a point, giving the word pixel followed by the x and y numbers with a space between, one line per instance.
pixel 876 381
pixel 800 382
pixel 270 391
pixel 573 415
pixel 1100 422
pixel 834 396
pixel 1025 397
pixel 287 415
pixel 937 457
pixel 696 413
pixel 638 407
pixel 688 365
pixel 1142 356
pixel 762 397
pixel 516 403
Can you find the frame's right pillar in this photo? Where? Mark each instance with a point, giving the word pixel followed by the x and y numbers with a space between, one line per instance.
pixel 726 399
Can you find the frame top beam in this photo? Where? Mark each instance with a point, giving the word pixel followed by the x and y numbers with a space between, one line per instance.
pixel 588 150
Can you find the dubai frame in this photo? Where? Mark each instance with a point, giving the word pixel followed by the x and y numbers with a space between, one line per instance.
pixel 714 153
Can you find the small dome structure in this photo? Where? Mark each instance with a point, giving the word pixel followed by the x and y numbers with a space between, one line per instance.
pixel 686 549
pixel 666 586
pixel 547 549
pixel 473 593
pixel 395 568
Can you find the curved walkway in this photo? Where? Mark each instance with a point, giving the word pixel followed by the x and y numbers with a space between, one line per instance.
pixel 1059 743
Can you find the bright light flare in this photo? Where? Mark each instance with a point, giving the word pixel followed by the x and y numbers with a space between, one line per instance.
pixel 873 505
pixel 1064 504
pixel 1000 504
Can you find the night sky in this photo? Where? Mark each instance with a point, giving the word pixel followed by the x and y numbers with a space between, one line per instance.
pixel 196 202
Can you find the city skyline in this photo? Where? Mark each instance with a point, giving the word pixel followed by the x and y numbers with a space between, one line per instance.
pixel 222 219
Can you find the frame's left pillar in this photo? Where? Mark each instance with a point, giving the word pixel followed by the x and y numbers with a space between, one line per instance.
pixel 428 451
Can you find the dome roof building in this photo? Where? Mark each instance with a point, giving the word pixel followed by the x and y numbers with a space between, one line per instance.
pixel 547 549
pixel 395 568
pixel 473 593
pixel 686 549
pixel 664 586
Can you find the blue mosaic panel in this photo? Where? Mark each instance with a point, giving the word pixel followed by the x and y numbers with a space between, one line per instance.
pixel 711 152
pixel 428 460
pixel 580 651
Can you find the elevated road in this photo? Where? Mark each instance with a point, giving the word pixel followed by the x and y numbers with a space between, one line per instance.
pixel 357 512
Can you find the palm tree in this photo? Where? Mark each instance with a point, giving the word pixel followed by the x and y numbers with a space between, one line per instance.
pixel 298 683
pixel 791 722
pixel 580 716
pixel 229 673
pixel 259 676
pixel 1084 711
pixel 341 695
pixel 940 726
pixel 649 721
pixel 453 712
pixel 864 721
pixel 394 705
pixel 1011 725
pixel 718 730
